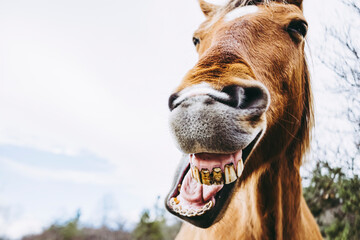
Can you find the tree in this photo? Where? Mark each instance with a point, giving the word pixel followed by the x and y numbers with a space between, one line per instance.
pixel 344 61
pixel 333 193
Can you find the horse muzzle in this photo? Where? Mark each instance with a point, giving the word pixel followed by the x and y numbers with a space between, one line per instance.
pixel 216 130
pixel 203 119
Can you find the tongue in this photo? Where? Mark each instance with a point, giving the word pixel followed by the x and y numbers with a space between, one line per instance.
pixel 196 195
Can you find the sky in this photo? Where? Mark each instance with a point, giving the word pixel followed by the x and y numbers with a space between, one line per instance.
pixel 83 103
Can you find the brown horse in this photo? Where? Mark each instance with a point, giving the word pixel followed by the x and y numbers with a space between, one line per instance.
pixel 242 116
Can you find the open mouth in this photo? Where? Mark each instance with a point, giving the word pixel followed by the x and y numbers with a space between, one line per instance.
pixel 206 184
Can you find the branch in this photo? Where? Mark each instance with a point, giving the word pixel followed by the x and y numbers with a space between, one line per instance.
pixel 352 5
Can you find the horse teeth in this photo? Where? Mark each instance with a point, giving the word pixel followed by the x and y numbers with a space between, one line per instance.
pixel 176 209
pixel 184 212
pixel 200 212
pixel 217 176
pixel 230 175
pixel 174 201
pixel 240 168
pixel 208 205
pixel 196 174
pixel 205 177
pixel 189 212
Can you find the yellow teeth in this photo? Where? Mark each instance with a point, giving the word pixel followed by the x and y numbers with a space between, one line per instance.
pixel 240 168
pixel 188 211
pixel 195 174
pixel 217 176
pixel 174 201
pixel 230 175
pixel 205 177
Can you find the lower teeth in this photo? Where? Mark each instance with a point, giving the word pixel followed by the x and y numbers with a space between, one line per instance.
pixel 189 212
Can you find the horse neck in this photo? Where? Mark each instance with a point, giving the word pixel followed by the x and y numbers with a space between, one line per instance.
pixel 271 200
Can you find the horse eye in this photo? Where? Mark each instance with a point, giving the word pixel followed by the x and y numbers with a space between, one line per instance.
pixel 196 41
pixel 298 27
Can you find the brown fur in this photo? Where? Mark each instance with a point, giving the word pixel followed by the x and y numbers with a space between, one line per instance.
pixel 268 202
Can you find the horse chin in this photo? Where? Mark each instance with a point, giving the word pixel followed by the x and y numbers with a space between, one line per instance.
pixel 208 212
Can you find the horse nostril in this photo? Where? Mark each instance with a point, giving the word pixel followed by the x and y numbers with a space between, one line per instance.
pixel 235 94
pixel 248 97
pixel 172 98
pixel 254 97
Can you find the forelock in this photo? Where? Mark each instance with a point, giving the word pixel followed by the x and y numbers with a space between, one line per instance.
pixel 240 3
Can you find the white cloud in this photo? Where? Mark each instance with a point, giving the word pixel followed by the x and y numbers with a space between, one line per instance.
pixel 21 227
pixel 61 175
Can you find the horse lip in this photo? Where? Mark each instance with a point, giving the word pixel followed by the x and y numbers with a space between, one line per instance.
pixel 222 198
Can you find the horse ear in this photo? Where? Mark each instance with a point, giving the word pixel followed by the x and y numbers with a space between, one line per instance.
pixel 298 3
pixel 207 8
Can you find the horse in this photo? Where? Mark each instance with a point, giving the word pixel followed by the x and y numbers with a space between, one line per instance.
pixel 242 116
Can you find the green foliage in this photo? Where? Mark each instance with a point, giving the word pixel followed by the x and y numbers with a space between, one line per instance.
pixel 70 229
pixel 148 229
pixel 334 200
pixel 157 228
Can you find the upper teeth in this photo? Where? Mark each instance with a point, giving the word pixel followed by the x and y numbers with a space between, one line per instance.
pixel 230 175
pixel 240 168
pixel 195 173
pixel 216 176
pixel 205 177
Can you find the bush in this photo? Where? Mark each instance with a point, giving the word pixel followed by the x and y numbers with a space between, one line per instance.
pixel 71 230
pixel 334 200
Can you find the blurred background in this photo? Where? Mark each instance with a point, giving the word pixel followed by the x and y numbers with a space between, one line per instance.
pixel 85 148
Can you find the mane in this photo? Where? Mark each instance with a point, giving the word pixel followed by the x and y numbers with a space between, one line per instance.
pixel 241 3
pixel 302 139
